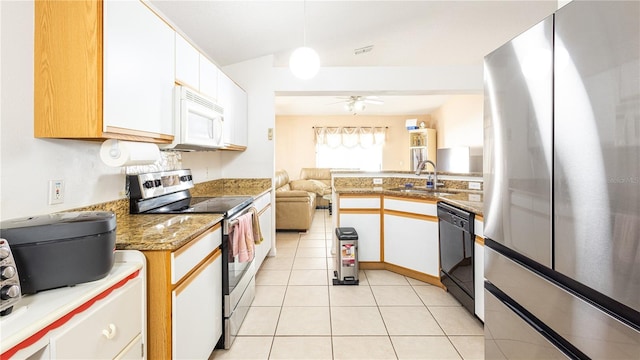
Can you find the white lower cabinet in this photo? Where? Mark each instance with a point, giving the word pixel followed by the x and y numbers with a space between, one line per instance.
pixel 368 228
pixel 412 243
pixel 266 227
pixel 363 214
pixel 265 219
pixel 102 319
pixel 196 311
pixel 105 330
pixel 411 238
pixel 185 298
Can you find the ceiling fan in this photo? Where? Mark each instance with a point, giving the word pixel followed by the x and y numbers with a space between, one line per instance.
pixel 355 103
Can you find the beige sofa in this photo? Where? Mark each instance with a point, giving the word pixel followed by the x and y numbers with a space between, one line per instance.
pixel 322 176
pixel 295 206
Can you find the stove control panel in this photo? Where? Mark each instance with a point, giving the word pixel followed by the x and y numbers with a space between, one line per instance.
pixel 149 185
pixel 10 292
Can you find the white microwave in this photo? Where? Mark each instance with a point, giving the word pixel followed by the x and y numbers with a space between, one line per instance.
pixel 198 122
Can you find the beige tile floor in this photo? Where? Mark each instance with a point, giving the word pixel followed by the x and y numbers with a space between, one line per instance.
pixel 298 314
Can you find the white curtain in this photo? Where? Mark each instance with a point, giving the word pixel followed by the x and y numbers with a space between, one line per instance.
pixel 350 137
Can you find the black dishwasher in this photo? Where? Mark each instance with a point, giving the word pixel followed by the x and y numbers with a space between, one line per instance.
pixel 456 252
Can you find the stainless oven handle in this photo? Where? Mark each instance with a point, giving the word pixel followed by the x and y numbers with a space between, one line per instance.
pixel 228 224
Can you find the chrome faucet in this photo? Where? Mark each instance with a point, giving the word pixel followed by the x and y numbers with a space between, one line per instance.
pixel 422 164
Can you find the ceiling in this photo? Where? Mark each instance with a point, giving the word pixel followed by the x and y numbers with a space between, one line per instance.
pixel 403 33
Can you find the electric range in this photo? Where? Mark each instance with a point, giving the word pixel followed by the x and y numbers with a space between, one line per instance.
pixel 168 192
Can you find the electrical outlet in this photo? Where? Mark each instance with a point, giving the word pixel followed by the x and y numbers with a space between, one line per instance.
pixel 377 181
pixel 270 134
pixel 474 185
pixel 56 192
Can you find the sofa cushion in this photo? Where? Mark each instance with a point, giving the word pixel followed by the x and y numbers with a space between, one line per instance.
pixel 323 174
pixel 281 179
pixel 314 186
pixel 295 195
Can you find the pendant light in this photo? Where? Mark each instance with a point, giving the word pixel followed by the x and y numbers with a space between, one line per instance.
pixel 304 61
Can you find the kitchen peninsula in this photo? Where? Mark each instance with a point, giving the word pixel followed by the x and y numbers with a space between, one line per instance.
pixel 397 221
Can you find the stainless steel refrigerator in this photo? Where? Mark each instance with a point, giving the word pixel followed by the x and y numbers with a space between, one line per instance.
pixel 562 187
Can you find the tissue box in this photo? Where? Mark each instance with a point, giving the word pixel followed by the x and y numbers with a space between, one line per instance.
pixel 411 124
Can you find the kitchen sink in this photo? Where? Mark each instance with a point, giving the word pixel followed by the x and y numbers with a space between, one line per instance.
pixel 421 191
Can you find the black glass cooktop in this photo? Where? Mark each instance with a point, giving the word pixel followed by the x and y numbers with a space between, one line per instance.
pixel 219 205
pixel 227 205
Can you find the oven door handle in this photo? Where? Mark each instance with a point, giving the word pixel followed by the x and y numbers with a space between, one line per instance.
pixel 235 221
pixel 229 224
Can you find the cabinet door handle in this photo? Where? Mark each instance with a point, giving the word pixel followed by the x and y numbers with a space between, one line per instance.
pixel 110 333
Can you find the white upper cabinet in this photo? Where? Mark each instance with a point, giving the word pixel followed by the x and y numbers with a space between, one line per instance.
pixel 208 77
pixel 139 66
pixel 234 101
pixel 187 63
pixel 225 91
pixel 240 126
pixel 194 70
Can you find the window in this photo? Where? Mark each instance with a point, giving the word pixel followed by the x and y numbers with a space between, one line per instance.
pixel 350 147
pixel 343 157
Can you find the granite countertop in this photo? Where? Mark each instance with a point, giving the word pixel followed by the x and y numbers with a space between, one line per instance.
pixel 464 199
pixel 162 232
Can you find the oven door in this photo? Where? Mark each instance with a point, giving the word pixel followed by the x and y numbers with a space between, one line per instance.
pixel 233 270
pixel 238 282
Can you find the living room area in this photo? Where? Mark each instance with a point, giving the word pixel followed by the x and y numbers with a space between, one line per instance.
pixel 307 147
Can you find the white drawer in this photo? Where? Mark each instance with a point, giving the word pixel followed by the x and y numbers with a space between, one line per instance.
pixel 415 207
pixel 359 203
pixel 191 254
pixel 262 202
pixel 133 350
pixel 105 329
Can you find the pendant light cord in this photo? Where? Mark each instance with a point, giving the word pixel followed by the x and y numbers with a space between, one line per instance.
pixel 304 23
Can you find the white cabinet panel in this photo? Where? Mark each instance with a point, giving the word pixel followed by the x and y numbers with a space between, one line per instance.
pixel 197 312
pixel 412 243
pixel 208 77
pixel 225 93
pixel 240 116
pixel 234 101
pixel 263 248
pixel 368 228
pixel 416 207
pixel 359 203
pixel 478 227
pixel 265 211
pixel 107 328
pixel 262 202
pixel 187 63
pixel 186 258
pixel 139 68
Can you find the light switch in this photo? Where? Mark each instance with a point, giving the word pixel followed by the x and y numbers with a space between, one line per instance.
pixel 270 134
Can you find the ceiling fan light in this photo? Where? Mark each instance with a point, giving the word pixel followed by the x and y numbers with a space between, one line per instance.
pixel 304 63
pixel 359 105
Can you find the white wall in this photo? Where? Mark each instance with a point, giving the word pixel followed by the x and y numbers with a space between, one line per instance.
pixel 394 80
pixel 459 122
